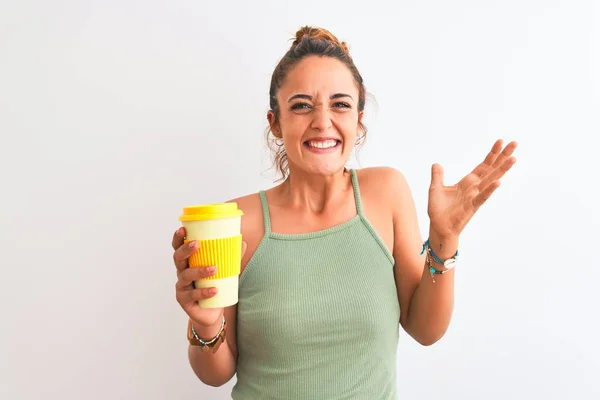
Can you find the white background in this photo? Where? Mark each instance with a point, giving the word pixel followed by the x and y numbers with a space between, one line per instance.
pixel 115 114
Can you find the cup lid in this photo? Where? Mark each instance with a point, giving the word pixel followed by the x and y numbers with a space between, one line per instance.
pixel 210 211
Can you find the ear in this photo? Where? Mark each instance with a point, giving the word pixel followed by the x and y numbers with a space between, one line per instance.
pixel 360 134
pixel 273 124
pixel 361 114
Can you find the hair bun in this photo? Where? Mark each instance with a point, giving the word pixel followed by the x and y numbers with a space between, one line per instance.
pixel 319 34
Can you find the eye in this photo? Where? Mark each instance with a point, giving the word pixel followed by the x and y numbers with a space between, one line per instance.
pixel 303 107
pixel 341 104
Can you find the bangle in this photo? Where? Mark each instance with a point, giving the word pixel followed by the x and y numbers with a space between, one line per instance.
pixel 207 345
pixel 448 264
pixel 438 260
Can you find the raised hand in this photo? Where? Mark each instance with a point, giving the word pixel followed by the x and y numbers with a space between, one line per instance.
pixel 450 208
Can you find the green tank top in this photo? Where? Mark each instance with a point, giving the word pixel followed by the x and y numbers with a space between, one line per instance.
pixel 318 315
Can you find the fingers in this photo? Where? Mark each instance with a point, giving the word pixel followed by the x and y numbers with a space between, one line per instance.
pixel 485 194
pixel 201 294
pixel 482 192
pixel 489 160
pixel 498 172
pixel 437 175
pixel 494 153
pixel 183 251
pixel 181 255
pixel 495 158
pixel 178 238
pixel 193 295
pixel 506 153
pixel 189 275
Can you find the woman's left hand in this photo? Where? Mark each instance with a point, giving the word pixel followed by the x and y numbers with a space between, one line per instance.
pixel 450 208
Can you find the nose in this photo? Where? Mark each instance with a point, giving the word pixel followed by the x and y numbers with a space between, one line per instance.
pixel 321 119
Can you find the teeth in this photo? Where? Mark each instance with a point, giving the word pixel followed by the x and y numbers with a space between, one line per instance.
pixel 322 144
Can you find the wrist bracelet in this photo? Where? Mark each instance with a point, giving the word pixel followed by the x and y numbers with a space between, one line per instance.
pixel 448 264
pixel 211 341
pixel 207 345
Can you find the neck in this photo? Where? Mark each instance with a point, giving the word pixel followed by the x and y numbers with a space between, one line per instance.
pixel 312 192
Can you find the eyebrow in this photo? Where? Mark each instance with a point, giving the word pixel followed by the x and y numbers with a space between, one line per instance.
pixel 308 97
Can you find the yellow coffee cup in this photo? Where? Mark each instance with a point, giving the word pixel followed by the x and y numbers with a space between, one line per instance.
pixel 217 229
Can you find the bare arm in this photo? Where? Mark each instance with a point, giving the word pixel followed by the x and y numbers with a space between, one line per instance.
pixel 216 369
pixel 426 307
pixel 431 305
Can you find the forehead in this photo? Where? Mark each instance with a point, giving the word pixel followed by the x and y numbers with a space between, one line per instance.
pixel 316 74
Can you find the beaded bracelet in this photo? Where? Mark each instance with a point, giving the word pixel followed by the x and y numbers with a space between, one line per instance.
pixel 448 264
pixel 213 340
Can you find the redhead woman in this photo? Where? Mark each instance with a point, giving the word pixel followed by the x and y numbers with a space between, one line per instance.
pixel 333 261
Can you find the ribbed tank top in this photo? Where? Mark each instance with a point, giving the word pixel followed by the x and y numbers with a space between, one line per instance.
pixel 318 315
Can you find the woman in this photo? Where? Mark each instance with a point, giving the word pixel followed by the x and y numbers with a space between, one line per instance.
pixel 333 260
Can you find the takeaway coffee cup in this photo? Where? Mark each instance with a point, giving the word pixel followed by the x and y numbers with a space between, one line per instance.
pixel 217 228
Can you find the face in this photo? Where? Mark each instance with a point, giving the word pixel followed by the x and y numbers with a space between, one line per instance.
pixel 319 119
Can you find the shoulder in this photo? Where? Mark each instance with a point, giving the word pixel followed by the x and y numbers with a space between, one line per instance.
pixel 386 182
pixel 387 202
pixel 249 203
pixel 387 190
pixel 252 222
pixel 251 206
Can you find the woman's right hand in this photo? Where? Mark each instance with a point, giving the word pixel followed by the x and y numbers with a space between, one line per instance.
pixel 187 295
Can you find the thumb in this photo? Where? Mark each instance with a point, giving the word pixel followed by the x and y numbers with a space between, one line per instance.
pixel 437 176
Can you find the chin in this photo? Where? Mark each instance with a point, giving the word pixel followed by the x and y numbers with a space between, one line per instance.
pixel 318 165
pixel 325 169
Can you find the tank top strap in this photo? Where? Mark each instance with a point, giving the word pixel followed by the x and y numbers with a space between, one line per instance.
pixel 265 211
pixel 356 189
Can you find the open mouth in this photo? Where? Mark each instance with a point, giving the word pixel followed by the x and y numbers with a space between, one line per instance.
pixel 322 144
